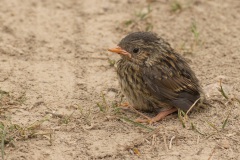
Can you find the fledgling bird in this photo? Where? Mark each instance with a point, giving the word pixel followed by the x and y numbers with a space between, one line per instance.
pixel 154 77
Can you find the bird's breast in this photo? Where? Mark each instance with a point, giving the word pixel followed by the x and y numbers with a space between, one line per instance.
pixel 133 86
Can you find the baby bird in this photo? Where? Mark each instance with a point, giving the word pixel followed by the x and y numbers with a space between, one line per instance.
pixel 154 77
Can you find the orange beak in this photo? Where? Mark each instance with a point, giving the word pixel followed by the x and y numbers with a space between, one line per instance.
pixel 119 50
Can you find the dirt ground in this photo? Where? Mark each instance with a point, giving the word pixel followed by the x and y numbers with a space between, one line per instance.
pixel 59 91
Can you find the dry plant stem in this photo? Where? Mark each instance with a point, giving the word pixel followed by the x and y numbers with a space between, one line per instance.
pixel 44 133
pixel 192 106
pixel 2 142
pixel 210 157
pixel 140 140
pixel 165 142
pixel 170 143
pixel 55 114
pixel 198 139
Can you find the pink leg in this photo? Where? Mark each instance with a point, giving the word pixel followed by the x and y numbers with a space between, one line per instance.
pixel 158 117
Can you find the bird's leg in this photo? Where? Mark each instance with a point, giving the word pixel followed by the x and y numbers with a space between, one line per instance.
pixel 158 117
pixel 125 104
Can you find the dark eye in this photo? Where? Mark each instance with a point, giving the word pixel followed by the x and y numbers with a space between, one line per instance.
pixel 135 50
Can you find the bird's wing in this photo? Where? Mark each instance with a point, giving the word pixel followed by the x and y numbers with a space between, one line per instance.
pixel 171 87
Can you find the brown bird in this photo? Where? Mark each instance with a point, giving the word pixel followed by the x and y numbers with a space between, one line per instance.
pixel 154 77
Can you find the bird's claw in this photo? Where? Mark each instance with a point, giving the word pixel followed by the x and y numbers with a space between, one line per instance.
pixel 147 120
pixel 125 104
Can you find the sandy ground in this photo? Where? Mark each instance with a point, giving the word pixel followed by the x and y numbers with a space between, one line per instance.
pixel 54 64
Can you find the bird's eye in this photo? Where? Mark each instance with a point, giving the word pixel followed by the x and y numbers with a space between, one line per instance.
pixel 135 50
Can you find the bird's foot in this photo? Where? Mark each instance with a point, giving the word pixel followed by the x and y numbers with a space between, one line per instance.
pixel 125 104
pixel 158 117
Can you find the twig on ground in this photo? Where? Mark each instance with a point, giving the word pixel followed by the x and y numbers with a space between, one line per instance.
pixel 165 142
pixel 55 114
pixel 170 143
pixel 192 106
pixel 139 141
pixel 213 151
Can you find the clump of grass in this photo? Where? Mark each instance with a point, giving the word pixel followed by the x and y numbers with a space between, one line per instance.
pixel 149 27
pixel 115 110
pixel 7 100
pixel 144 14
pixel 19 132
pixel 220 89
pixel 229 101
pixel 176 6
pixel 140 21
pixel 11 132
pixel 195 41
pixel 195 32
pixel 63 119
pixel 66 119
pixel 103 106
pixel 183 116
pixel 196 36
pixel 106 108
pixel 111 62
pixel 86 114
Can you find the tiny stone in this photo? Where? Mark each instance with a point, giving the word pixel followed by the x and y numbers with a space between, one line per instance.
pixel 225 144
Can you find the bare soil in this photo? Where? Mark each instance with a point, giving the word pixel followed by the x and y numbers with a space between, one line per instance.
pixel 56 72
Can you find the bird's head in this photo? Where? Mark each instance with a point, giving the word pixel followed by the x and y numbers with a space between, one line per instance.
pixel 139 46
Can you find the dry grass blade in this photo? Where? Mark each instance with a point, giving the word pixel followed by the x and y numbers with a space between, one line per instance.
pixel 195 31
pixel 3 140
pixel 8 101
pixel 181 117
pixel 192 106
pixel 136 151
pixel 103 106
pixel 170 143
pixel 221 90
pixel 211 155
pixel 37 124
pixel 230 101
pixel 55 114
pixel 237 100
pixel 229 113
pixel 212 125
pixel 85 114
pixel 225 121
pixel 66 119
pixel 195 129
pixel 140 140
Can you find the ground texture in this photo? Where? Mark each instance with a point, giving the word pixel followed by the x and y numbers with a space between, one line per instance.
pixel 59 91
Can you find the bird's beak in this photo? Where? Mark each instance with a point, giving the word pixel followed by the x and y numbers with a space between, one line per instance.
pixel 119 50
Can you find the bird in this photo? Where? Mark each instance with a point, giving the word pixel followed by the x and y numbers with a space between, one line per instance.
pixel 154 77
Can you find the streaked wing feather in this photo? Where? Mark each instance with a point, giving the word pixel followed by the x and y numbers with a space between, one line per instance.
pixel 177 90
